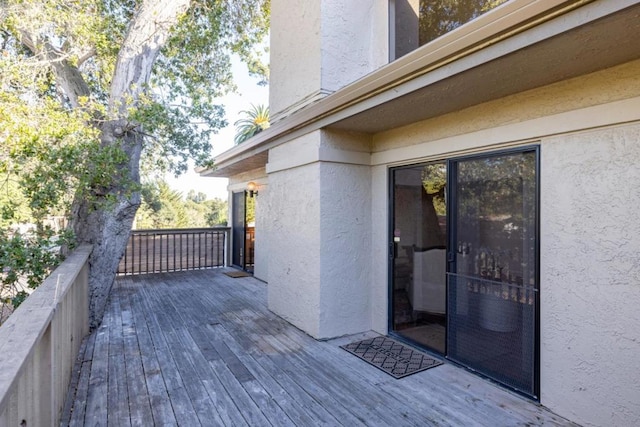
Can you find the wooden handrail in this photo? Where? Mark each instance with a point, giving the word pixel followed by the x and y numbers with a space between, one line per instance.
pixel 39 344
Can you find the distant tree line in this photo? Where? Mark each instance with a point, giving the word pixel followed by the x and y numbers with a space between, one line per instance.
pixel 164 207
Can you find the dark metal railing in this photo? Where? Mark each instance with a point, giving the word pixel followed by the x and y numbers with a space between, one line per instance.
pixel 159 251
pixel 249 246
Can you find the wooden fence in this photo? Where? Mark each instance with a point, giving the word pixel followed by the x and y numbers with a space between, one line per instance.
pixel 159 251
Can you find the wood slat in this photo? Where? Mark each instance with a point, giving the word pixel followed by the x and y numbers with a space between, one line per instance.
pixel 201 348
pixel 118 394
pixel 161 408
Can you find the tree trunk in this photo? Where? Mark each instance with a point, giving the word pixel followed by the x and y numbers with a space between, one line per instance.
pixel 96 219
pixel 107 225
pixel 432 233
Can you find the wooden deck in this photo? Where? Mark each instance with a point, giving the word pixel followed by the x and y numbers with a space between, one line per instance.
pixel 200 348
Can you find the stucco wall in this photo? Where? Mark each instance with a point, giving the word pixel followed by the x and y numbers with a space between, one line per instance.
pixel 590 276
pixel 295 55
pixel 320 235
pixel 590 241
pixel 617 83
pixel 294 262
pixel 318 47
pixel 380 248
pixel 345 266
pixel 354 40
pixel 263 229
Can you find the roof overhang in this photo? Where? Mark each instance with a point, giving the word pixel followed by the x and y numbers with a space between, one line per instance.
pixel 519 46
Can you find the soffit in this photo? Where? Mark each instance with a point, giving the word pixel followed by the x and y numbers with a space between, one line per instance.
pixel 605 43
pixel 246 161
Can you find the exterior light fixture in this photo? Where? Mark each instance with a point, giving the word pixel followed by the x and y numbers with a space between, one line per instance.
pixel 252 188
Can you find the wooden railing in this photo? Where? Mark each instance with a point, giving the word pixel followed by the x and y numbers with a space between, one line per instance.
pixel 39 344
pixel 158 251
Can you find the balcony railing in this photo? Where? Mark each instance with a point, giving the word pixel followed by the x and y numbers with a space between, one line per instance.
pixel 159 251
pixel 39 344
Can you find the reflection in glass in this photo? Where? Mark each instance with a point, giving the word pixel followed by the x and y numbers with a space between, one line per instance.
pixel 417 22
pixel 441 16
pixel 419 288
pixel 493 288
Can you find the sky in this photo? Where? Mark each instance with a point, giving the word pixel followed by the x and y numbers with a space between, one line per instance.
pixel 248 93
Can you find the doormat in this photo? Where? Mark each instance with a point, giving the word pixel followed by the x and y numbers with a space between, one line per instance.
pixel 390 356
pixel 236 274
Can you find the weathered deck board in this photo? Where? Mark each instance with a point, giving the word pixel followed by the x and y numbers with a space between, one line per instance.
pixel 118 394
pixel 200 348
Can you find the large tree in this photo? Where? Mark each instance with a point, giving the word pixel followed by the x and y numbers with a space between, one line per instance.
pixel 92 89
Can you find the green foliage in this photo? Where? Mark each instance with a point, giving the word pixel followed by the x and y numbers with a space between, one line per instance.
pixel 216 214
pixel 163 207
pixel 26 260
pixel 434 180
pixel 250 210
pixel 57 62
pixel 255 121
pixel 70 135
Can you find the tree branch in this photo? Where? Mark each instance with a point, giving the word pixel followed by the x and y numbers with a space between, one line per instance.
pixel 148 32
pixel 87 55
pixel 68 77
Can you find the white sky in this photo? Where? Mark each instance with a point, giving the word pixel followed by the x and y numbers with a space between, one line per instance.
pixel 248 93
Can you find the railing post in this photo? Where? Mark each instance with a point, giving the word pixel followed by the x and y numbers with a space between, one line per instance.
pixel 227 255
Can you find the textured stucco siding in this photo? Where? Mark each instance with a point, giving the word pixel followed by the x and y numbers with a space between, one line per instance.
pixel 353 41
pixel 380 248
pixel 589 133
pixel 295 52
pixel 318 47
pixel 320 235
pixel 590 276
pixel 345 267
pixel 294 264
pixel 262 233
pixel 613 84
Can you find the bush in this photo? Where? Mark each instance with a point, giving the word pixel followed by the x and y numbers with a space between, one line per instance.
pixel 26 259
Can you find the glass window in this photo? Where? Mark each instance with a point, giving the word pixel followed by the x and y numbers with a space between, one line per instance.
pixel 417 22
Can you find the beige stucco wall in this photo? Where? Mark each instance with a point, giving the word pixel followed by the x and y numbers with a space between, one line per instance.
pixel 590 275
pixel 320 235
pixel 317 47
pixel 295 56
pixel 354 40
pixel 294 261
pixel 618 83
pixel 589 132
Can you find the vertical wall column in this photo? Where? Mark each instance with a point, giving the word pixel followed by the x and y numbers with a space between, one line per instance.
pixel 318 47
pixel 320 235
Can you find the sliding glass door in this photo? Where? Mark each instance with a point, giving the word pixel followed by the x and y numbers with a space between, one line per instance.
pixel 420 255
pixel 493 274
pixel 465 262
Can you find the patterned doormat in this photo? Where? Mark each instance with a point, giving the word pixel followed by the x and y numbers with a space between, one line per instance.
pixel 236 274
pixel 390 356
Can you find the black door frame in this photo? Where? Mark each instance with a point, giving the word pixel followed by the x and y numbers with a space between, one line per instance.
pixel 238 229
pixel 451 218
